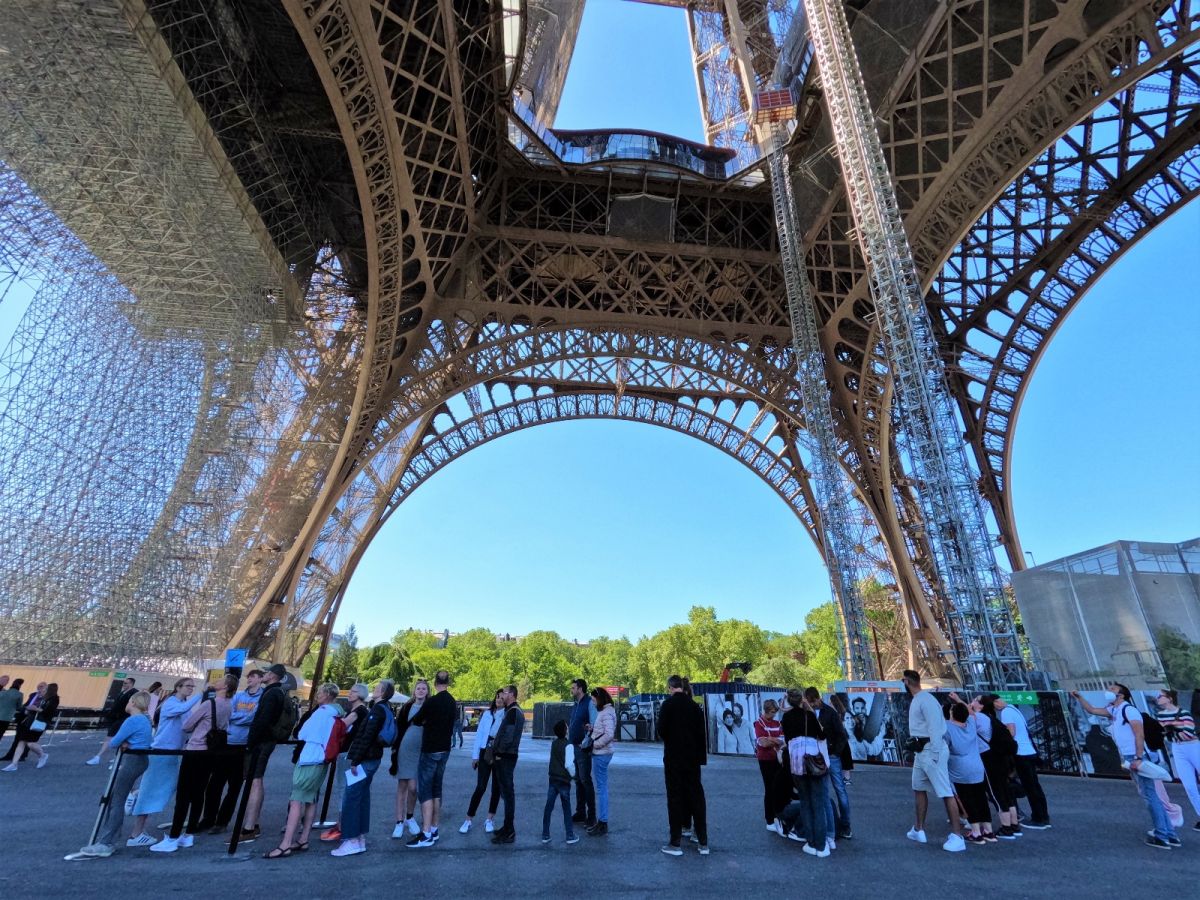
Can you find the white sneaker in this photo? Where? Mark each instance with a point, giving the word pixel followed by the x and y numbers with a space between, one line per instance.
pixel 397 832
pixel 819 854
pixel 142 840
pixel 830 844
pixel 348 848
pixel 186 840
pixel 465 826
pixel 918 836
pixel 777 827
pixel 42 760
pixel 413 827
pixel 94 761
pixel 704 849
pixel 489 826
pixel 955 844
pixel 11 767
pixel 166 845
pixel 771 826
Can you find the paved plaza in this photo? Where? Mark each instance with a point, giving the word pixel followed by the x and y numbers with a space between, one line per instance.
pixel 1093 850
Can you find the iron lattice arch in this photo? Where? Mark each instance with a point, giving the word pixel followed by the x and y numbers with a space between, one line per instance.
pixel 356 249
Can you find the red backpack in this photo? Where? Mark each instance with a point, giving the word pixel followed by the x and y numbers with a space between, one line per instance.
pixel 334 745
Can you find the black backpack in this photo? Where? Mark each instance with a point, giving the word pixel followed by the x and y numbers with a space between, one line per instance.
pixel 1002 741
pixel 286 723
pixel 1153 734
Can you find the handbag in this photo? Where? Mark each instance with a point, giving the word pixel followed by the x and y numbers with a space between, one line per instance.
pixel 217 738
pixel 37 726
pixel 810 765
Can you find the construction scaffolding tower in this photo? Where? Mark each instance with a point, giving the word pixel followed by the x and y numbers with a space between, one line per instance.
pixel 982 633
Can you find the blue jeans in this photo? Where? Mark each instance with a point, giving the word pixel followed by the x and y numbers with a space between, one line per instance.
pixel 356 803
pixel 600 763
pixel 1162 823
pixel 837 786
pixel 808 811
pixel 430 770
pixel 559 791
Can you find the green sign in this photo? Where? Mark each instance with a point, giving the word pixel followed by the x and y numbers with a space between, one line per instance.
pixel 1021 698
pixel 118 674
pixel 98 673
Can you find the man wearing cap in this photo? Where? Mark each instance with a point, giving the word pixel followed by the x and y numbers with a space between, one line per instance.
pixel 262 739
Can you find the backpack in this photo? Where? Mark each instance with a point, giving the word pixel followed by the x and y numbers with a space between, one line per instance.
pixel 387 732
pixel 336 735
pixel 1002 741
pixel 1153 734
pixel 286 723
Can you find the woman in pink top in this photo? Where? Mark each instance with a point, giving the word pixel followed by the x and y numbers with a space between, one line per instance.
pixel 768 742
pixel 212 712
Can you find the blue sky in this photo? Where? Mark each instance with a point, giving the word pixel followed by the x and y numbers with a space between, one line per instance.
pixel 614 528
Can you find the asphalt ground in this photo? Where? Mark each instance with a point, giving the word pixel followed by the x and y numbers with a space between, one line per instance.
pixel 1094 849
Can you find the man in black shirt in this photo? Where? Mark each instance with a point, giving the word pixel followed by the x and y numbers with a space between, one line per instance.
pixel 685 750
pixel 437 715
pixel 262 739
pixel 115 715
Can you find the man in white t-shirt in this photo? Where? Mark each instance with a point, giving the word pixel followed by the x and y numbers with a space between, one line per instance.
pixel 1127 734
pixel 931 756
pixel 1025 764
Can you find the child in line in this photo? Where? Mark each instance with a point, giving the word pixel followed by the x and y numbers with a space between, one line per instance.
pixel 562 770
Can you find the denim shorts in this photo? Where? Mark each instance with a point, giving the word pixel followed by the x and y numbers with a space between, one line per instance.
pixel 429 775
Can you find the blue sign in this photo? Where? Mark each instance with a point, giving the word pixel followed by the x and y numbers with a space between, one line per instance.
pixel 235 659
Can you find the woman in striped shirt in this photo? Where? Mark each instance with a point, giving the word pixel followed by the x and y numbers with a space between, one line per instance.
pixel 1180 728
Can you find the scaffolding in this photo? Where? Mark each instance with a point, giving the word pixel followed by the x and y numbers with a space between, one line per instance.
pixel 983 637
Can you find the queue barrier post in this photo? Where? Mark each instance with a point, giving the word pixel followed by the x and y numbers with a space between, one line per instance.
pixel 240 818
pixel 106 797
pixel 325 821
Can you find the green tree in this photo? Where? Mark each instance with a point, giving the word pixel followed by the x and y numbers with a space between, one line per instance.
pixel 342 666
pixel 1180 658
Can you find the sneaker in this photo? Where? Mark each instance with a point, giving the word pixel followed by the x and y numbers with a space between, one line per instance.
pixel 11 767
pixel 504 837
pixel 704 849
pixel 42 760
pixel 94 761
pixel 97 851
pixel 819 854
pixel 398 831
pixel 217 829
pixel 830 844
pixel 1016 830
pixel 166 845
pixel 846 835
pixel 489 826
pixel 672 850
pixel 918 836
pixel 1196 827
pixel 421 840
pixel 142 840
pixel 687 833
pixel 771 826
pixel 186 840
pixel 1157 843
pixel 465 826
pixel 332 834
pixel 989 837
pixel 974 838
pixel 794 836
pixel 572 839
pixel 1173 841
pixel 1006 833
pixel 413 828
pixel 348 848
pixel 955 844
pixel 545 838
pixel 1038 826
pixel 433 833
pixel 600 829
pixel 249 835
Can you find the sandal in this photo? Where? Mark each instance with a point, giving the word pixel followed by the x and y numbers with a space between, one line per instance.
pixel 278 853
pixel 301 847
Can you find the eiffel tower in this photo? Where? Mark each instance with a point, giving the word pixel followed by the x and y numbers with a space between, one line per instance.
pixel 288 258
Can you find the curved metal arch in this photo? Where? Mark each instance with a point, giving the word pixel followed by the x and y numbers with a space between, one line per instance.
pixel 1064 222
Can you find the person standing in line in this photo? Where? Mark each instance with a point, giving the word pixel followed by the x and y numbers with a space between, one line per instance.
pixel 196 768
pixel 506 749
pixel 803 735
pixel 156 697
pixel 927 731
pixel 406 760
pixel 966 773
pixel 1180 729
pixel 356 714
pixel 685 752
pixel 484 765
pixel 1025 763
pixel 162 774
pixel 837 741
pixel 319 729
pixel 562 770
pixel 997 764
pixel 134 734
pixel 583 715
pixel 229 770
pixel 437 717
pixel 375 732
pixel 10 702
pixel 40 711
pixel 604 736
pixel 115 716
pixel 768 739
pixel 271 719
pixel 1129 735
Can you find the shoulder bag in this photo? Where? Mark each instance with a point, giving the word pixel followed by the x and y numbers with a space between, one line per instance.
pixel 809 765
pixel 217 737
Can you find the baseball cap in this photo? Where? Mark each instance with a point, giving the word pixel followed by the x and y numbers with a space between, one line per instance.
pixel 279 670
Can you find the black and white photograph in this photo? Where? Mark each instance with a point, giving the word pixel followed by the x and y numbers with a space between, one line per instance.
pixel 869 726
pixel 731 720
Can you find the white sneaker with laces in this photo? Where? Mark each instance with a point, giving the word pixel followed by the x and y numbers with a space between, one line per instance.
pixel 42 760
pixel 142 840
pixel 166 845
pixel 704 849
pixel 94 761
pixel 397 832
pixel 918 836
pixel 955 844
pixel 819 854
pixel 464 827
pixel 413 827
pixel 186 840
pixel 11 767
pixel 489 826
pixel 830 844
pixel 348 848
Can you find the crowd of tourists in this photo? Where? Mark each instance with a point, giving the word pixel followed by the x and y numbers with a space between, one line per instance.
pixel 201 744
